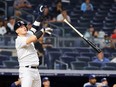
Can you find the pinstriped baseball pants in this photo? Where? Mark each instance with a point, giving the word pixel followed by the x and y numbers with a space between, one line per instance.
pixel 29 77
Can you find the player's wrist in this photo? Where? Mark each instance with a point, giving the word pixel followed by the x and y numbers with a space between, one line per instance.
pixel 35 26
pixel 38 34
pixel 33 30
pixel 42 30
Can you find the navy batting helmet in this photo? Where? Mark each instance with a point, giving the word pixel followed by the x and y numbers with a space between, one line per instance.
pixel 19 24
pixel 45 79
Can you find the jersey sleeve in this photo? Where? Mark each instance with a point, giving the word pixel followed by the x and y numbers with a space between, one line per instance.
pixel 21 42
pixel 30 32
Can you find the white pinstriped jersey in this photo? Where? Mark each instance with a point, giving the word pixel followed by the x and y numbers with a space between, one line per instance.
pixel 27 54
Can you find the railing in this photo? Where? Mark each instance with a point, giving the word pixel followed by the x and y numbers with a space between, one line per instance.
pixel 4 9
pixel 9 41
pixel 21 19
pixel 47 72
pixel 26 13
pixel 57 27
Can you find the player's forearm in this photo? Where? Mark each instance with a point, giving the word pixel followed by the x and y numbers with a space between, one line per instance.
pixel 31 39
pixel 35 26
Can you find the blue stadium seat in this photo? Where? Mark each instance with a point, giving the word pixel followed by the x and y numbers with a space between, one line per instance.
pixel 53 50
pixel 111 50
pixel 14 58
pixel 72 54
pixel 10 64
pixel 42 67
pixel 60 65
pixel 2 41
pixel 83 49
pixel 113 54
pixel 84 59
pixel 108 68
pixel 96 64
pixel 78 65
pixel 8 53
pixel 107 55
pixel 63 50
pixel 67 59
pixel 52 56
pixel 111 64
pixel 91 68
pixel 3 58
pixel 88 54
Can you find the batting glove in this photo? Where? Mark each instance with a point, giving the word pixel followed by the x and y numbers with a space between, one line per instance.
pixel 47 30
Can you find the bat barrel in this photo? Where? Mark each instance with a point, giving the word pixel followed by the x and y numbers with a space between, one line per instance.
pixel 93 45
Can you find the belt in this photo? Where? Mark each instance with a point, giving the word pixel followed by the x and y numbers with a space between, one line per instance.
pixel 34 67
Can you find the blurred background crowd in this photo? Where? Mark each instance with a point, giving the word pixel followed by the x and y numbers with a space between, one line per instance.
pixel 64 49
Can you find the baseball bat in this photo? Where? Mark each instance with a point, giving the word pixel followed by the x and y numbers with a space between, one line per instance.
pixel 81 35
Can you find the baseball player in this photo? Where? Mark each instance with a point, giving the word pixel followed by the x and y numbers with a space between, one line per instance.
pixel 46 82
pixel 27 54
pixel 16 83
pixel 92 82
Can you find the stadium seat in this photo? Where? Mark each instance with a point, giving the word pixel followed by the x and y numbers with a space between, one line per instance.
pixel 83 49
pixel 111 50
pixel 74 19
pixel 108 68
pixel 113 55
pixel 1 41
pixel 67 59
pixel 107 55
pixel 111 25
pixel 83 58
pixel 10 11
pixel 63 50
pixel 78 65
pixel 3 58
pixel 14 58
pixel 72 54
pixel 111 64
pixel 7 53
pixel 57 32
pixel 10 64
pixel 88 54
pixel 60 65
pixel 42 67
pixel 52 56
pixel 96 64
pixel 91 68
pixel 58 24
pixel 53 50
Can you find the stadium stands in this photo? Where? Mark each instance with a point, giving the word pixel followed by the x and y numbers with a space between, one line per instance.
pixel 91 68
pixel 65 51
pixel 78 65
pixel 10 64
